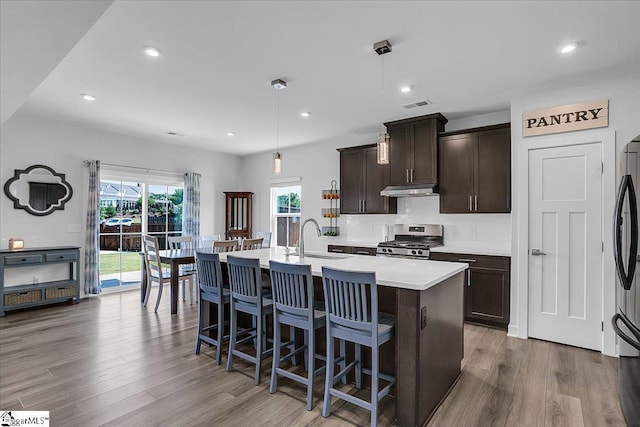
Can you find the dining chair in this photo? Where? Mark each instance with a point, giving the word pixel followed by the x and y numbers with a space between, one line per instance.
pixel 266 238
pixel 247 297
pixel 249 244
pixel 187 271
pixel 211 290
pixel 294 305
pixel 206 242
pixel 155 271
pixel 225 246
pixel 351 299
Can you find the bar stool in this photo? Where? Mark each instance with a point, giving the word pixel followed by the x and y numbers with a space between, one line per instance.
pixel 246 296
pixel 351 299
pixel 292 289
pixel 210 289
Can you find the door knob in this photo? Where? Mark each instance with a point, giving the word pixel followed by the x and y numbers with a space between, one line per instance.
pixel 537 252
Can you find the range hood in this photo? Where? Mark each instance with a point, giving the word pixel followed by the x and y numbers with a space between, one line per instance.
pixel 412 190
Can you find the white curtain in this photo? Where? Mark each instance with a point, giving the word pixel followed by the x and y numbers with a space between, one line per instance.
pixel 191 207
pixel 92 242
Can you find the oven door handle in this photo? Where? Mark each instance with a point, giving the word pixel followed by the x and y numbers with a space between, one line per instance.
pixel 614 323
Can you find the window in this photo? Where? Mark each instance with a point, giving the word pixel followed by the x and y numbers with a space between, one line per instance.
pixel 286 202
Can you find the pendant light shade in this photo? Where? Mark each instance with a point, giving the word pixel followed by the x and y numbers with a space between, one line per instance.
pixel 277 163
pixel 383 148
pixel 278 85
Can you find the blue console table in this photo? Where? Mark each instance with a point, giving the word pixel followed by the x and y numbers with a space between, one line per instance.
pixel 47 292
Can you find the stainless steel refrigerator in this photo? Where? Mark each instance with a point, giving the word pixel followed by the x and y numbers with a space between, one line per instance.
pixel 626 321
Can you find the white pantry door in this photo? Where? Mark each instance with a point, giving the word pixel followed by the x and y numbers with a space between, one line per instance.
pixel 565 245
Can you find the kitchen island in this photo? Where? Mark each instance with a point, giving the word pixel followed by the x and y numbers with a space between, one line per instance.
pixel 427 299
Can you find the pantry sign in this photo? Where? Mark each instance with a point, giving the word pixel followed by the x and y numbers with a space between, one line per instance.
pixel 566 118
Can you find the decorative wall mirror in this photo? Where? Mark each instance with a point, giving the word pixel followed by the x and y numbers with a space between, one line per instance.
pixel 38 190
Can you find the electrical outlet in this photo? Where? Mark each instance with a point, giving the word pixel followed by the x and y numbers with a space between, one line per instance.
pixel 423 317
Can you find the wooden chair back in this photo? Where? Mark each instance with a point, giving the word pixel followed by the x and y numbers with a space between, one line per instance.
pixel 225 246
pixel 249 244
pixel 180 242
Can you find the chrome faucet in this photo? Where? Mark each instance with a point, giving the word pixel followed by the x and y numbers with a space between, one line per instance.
pixel 301 238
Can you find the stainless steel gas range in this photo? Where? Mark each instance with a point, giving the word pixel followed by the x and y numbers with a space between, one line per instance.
pixel 412 241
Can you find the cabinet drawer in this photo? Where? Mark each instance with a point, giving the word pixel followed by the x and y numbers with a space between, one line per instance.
pixel 363 251
pixel 61 256
pixel 22 259
pixel 339 249
pixel 477 261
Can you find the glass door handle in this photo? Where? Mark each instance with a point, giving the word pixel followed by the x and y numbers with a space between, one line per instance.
pixel 537 252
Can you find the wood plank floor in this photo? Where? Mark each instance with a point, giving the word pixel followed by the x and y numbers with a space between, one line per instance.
pixel 108 361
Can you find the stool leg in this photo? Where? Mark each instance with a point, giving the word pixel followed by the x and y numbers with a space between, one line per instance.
pixel 259 342
pixel 220 337
pixel 292 347
pixel 375 372
pixel 343 364
pixel 273 385
pixel 311 366
pixel 306 348
pixel 358 366
pixel 328 383
pixel 232 338
pixel 199 329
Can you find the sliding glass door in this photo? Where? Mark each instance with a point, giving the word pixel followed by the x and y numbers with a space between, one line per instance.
pixel 128 210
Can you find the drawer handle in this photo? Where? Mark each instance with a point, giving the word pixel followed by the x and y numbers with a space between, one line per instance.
pixel 24 260
pixel 337 250
pixel 467 260
pixel 362 252
pixel 61 257
pixel 23 293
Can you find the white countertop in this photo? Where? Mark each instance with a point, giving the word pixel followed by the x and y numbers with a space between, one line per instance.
pixel 365 244
pixel 417 275
pixel 474 251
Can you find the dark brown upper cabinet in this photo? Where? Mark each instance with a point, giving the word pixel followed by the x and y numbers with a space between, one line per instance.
pixel 475 170
pixel 413 149
pixel 361 180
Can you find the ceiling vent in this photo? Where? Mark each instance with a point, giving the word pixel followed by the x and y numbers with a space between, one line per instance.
pixel 418 104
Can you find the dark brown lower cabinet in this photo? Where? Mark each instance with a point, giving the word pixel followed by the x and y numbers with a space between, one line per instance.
pixel 358 250
pixel 487 287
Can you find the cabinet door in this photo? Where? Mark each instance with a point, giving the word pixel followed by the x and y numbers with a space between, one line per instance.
pixel 456 173
pixel 351 177
pixel 487 296
pixel 425 153
pixel 376 179
pixel 493 171
pixel 399 154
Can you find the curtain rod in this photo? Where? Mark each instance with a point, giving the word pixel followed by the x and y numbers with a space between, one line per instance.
pixel 86 163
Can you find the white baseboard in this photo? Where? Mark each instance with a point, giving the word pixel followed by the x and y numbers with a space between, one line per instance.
pixel 512 331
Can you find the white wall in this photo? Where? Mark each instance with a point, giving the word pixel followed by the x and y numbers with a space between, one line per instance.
pixel 317 164
pixel 622 87
pixel 28 140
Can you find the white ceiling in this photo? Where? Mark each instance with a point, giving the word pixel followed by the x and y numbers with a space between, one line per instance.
pixel 219 57
pixel 34 37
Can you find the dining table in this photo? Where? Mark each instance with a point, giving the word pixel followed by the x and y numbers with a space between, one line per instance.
pixel 174 258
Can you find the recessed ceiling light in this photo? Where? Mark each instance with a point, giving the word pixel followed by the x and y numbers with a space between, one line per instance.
pixel 405 89
pixel 151 51
pixel 567 48
pixel 230 133
pixel 305 114
pixel 88 97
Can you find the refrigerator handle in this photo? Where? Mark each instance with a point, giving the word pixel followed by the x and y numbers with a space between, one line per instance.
pixel 614 323
pixel 626 277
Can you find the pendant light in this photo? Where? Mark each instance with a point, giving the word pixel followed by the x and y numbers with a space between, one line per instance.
pixel 278 85
pixel 382 47
pixel 383 148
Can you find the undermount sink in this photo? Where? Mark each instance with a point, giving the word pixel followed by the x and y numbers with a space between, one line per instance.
pixel 325 256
